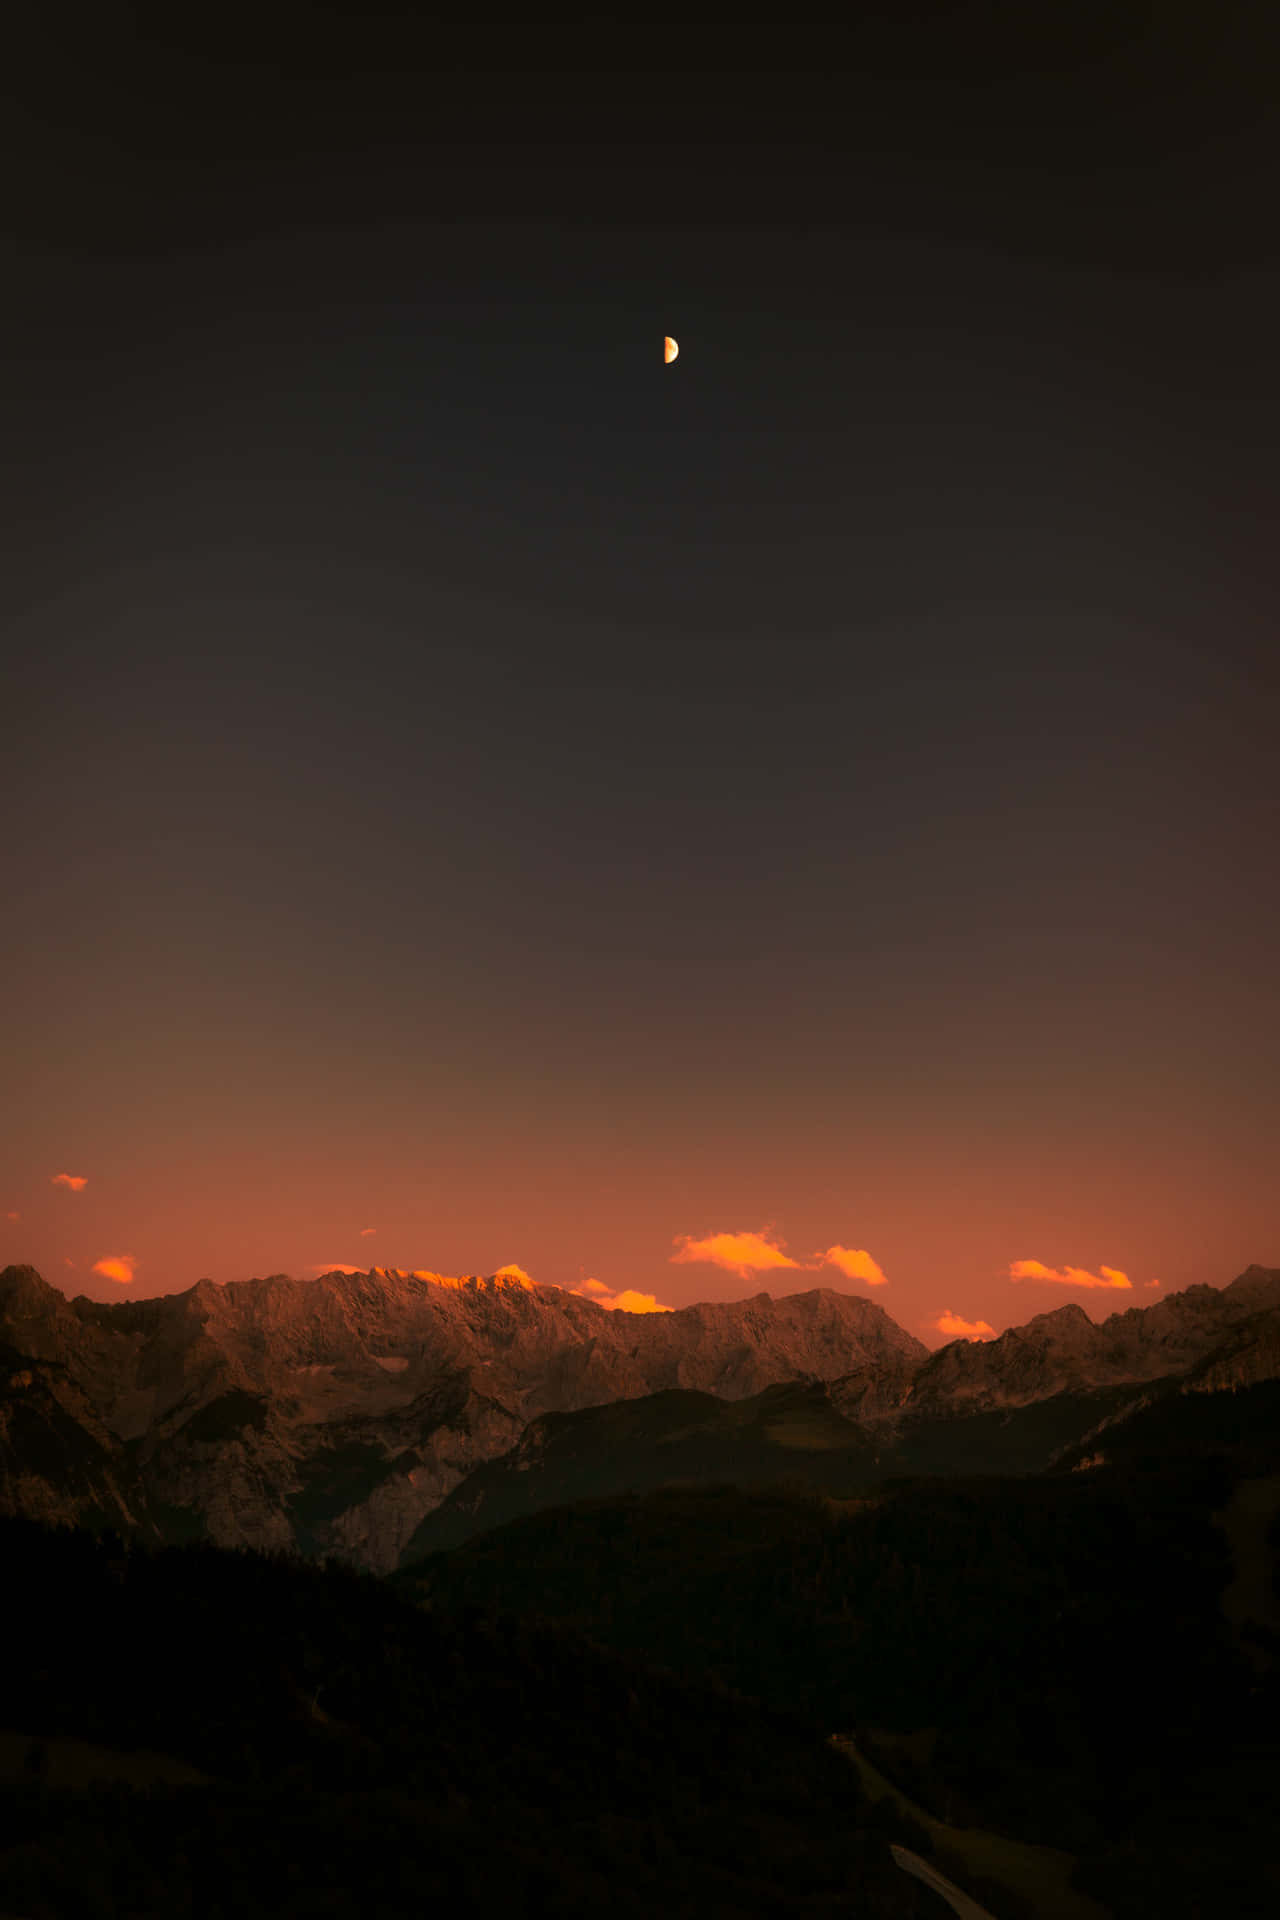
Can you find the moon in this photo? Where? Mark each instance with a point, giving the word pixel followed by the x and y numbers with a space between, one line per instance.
pixel 670 348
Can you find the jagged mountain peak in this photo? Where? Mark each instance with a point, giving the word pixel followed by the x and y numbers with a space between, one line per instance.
pixel 1258 1285
pixel 1068 1324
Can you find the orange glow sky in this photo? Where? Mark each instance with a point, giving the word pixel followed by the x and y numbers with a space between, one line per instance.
pixel 589 1219
pixel 801 816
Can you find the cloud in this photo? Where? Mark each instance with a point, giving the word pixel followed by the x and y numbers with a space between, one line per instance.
pixel 628 1301
pixel 335 1266
pixel 367 1233
pixel 856 1264
pixel 512 1272
pixel 740 1253
pixel 957 1329
pixel 1153 1283
pixel 1069 1276
pixel 74 1182
pixel 13 1216
pixel 116 1266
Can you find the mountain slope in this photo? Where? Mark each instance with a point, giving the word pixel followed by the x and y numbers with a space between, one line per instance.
pixel 1066 1352
pixel 353 1755
pixel 336 1415
pixel 332 1415
pixel 1014 1405
pixel 788 1435
pixel 1081 1659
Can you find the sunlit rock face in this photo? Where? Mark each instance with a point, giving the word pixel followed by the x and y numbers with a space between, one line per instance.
pixel 332 1415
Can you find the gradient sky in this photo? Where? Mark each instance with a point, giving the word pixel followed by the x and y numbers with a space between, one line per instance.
pixel 468 780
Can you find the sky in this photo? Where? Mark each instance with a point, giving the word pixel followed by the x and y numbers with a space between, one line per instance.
pixel 804 815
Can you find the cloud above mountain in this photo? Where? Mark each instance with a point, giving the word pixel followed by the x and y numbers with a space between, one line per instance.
pixel 746 1253
pixel 957 1328
pixel 740 1253
pixel 627 1301
pixel 73 1182
pixel 1070 1276
pixel 116 1266
pixel 855 1263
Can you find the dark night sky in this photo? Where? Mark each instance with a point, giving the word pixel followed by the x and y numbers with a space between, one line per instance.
pixel 474 781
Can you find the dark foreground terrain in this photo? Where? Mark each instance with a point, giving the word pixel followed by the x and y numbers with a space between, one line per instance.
pixel 352 1754
pixel 1086 1659
pixel 626 1706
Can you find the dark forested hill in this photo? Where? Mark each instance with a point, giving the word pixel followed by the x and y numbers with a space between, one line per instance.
pixel 1057 1647
pixel 790 1434
pixel 363 1757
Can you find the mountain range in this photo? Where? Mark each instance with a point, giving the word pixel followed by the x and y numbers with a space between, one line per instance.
pixel 373 1416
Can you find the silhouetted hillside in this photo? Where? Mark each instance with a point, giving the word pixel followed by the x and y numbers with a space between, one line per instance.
pixel 1056 1645
pixel 790 1434
pixel 365 1757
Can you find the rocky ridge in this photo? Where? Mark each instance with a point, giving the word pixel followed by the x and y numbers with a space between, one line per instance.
pixel 1226 1331
pixel 334 1415
pixel 331 1415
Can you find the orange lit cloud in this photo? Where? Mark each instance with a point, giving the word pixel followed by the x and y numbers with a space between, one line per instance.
pixel 68 1263
pixel 512 1272
pixel 628 1301
pixel 855 1263
pixel 74 1182
pixel 116 1266
pixel 1153 1283
pixel 1069 1276
pixel 13 1216
pixel 335 1266
pixel 957 1329
pixel 740 1253
pixel 367 1233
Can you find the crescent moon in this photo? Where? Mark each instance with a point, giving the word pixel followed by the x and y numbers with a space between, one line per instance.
pixel 670 348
